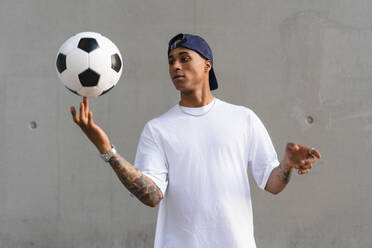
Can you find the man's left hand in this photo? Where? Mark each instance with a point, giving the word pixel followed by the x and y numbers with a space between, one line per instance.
pixel 300 157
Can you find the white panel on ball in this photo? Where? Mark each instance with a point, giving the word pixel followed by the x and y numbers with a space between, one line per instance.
pixel 106 80
pixel 77 61
pixel 108 46
pixel 71 80
pixel 115 77
pixel 99 60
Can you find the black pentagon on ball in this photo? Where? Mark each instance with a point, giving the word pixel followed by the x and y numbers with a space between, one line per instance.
pixel 88 44
pixel 115 62
pixel 89 78
pixel 105 91
pixel 72 91
pixel 61 62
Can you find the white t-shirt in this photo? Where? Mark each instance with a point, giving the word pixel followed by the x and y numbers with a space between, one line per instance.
pixel 199 158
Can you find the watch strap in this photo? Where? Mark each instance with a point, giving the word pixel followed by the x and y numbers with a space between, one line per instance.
pixel 107 156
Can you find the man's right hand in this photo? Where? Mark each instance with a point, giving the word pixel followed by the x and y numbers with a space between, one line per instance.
pixel 91 130
pixel 133 179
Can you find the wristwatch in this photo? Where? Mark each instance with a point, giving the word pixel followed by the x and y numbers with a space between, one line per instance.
pixel 106 157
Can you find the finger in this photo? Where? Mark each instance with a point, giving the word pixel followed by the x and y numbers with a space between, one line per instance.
pixel 292 146
pixel 90 119
pixel 306 164
pixel 316 153
pixel 304 171
pixel 82 113
pixel 86 105
pixel 310 160
pixel 75 117
pixel 302 163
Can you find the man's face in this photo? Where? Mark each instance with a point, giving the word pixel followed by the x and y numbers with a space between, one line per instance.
pixel 187 69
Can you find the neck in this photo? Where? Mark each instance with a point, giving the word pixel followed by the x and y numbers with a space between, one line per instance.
pixel 197 98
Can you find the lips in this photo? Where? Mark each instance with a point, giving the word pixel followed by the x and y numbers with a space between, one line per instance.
pixel 178 77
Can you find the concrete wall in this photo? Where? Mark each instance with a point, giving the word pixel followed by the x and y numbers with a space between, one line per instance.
pixel 288 60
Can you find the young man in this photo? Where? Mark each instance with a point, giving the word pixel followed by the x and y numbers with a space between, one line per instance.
pixel 194 159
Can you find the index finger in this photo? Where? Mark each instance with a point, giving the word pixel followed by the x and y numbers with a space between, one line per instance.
pixel 86 103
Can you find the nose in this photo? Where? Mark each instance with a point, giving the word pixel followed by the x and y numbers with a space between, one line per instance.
pixel 176 66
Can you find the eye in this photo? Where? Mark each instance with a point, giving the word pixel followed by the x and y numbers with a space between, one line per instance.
pixel 171 61
pixel 185 59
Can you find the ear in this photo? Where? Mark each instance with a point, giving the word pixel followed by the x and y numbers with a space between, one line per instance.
pixel 208 65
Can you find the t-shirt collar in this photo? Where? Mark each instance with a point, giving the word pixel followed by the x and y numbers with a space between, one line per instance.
pixel 198 110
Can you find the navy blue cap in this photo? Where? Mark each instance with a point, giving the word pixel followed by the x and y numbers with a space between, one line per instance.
pixel 199 45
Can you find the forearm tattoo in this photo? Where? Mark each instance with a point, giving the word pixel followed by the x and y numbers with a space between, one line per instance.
pixel 136 182
pixel 284 175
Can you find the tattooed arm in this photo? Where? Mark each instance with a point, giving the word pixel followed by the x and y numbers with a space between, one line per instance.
pixel 295 157
pixel 136 182
pixel 278 179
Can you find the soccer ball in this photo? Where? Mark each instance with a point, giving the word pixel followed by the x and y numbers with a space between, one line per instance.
pixel 89 64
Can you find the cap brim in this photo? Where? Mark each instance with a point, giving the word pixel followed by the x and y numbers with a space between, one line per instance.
pixel 212 80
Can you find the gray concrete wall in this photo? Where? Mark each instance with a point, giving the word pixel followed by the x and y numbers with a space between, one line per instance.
pixel 287 60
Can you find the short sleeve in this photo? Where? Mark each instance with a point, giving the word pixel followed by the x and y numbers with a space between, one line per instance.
pixel 150 158
pixel 262 158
